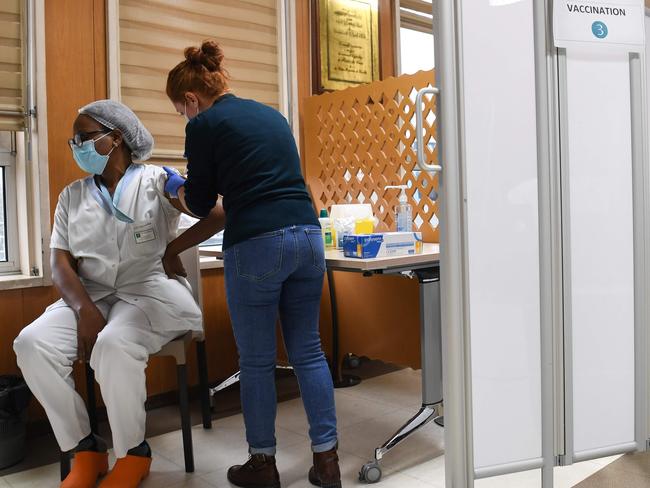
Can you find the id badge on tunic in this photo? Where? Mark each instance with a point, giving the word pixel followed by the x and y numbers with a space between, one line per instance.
pixel 144 233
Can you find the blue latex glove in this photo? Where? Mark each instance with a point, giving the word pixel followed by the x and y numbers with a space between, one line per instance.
pixel 174 181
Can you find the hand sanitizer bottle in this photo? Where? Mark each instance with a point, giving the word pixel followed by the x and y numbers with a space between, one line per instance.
pixel 329 236
pixel 403 211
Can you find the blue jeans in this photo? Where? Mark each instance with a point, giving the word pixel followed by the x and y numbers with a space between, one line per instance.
pixel 280 271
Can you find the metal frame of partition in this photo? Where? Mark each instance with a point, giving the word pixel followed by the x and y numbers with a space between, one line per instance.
pixel 567 341
pixel 641 218
pixel 547 222
pixel 459 464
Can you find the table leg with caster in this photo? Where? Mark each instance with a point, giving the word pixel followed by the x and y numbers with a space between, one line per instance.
pixel 431 339
pixel 371 471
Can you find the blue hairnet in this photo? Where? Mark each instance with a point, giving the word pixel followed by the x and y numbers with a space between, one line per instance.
pixel 116 115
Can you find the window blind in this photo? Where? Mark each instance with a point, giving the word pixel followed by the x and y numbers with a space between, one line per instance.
pixel 152 36
pixel 12 106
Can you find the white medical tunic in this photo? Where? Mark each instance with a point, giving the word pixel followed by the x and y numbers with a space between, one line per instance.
pixel 124 260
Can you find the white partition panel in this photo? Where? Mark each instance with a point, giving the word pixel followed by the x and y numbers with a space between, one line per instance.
pixel 600 257
pixel 502 234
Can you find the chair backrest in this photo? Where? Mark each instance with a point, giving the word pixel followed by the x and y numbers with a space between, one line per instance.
pixel 192 264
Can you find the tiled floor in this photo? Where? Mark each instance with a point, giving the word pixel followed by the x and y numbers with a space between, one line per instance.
pixel 368 415
pixel 629 471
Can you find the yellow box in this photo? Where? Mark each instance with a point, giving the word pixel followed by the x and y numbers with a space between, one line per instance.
pixel 364 226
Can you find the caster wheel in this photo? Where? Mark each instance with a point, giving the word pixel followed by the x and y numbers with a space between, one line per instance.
pixel 370 472
pixel 351 361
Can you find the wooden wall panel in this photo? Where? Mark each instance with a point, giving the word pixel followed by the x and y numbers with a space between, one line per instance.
pixel 387 26
pixel 11 305
pixel 100 48
pixel 74 63
pixel 381 322
pixel 303 62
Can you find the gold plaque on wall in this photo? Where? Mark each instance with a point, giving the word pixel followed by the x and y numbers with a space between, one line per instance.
pixel 348 35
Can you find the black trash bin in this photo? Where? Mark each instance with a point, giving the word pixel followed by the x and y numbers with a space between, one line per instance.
pixel 14 398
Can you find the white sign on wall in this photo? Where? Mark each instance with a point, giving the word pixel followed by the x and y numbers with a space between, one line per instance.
pixel 612 23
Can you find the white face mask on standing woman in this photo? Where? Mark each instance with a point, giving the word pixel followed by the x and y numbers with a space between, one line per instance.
pixel 187 117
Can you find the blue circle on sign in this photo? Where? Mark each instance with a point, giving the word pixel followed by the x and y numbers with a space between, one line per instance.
pixel 599 29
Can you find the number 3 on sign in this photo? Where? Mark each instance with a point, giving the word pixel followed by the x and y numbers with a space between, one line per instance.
pixel 599 29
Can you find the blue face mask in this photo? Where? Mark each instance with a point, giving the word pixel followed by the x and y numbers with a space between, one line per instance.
pixel 88 158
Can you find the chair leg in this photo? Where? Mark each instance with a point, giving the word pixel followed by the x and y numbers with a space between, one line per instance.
pixel 91 404
pixel 65 465
pixel 186 424
pixel 204 388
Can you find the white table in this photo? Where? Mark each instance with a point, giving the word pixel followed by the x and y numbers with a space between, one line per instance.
pixel 430 254
pixel 211 262
pixel 211 251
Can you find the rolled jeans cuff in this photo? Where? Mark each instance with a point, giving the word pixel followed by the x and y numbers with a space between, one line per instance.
pixel 268 451
pixel 328 446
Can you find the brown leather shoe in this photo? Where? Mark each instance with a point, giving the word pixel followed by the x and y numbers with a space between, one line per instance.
pixel 325 472
pixel 259 471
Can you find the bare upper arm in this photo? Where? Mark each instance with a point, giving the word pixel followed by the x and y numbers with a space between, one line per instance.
pixel 60 258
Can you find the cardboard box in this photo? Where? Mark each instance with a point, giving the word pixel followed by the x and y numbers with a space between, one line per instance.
pixel 390 244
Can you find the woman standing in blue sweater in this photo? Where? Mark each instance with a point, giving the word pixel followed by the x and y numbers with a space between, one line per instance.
pixel 274 260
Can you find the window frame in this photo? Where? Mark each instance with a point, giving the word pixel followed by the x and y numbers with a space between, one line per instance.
pixel 29 182
pixel 12 264
pixel 416 23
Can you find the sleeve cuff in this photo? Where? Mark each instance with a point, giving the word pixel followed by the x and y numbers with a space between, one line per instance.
pixel 198 211
pixel 59 245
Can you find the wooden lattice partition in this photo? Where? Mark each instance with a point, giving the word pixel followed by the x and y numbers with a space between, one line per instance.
pixel 359 140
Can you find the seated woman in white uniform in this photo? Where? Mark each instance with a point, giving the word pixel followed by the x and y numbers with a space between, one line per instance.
pixel 120 299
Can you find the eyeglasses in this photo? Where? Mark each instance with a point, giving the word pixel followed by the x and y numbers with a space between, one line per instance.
pixel 80 137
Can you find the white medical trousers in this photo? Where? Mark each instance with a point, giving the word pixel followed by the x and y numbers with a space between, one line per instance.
pixel 47 348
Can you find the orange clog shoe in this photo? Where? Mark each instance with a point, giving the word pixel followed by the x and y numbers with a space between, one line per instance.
pixel 128 472
pixel 87 467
